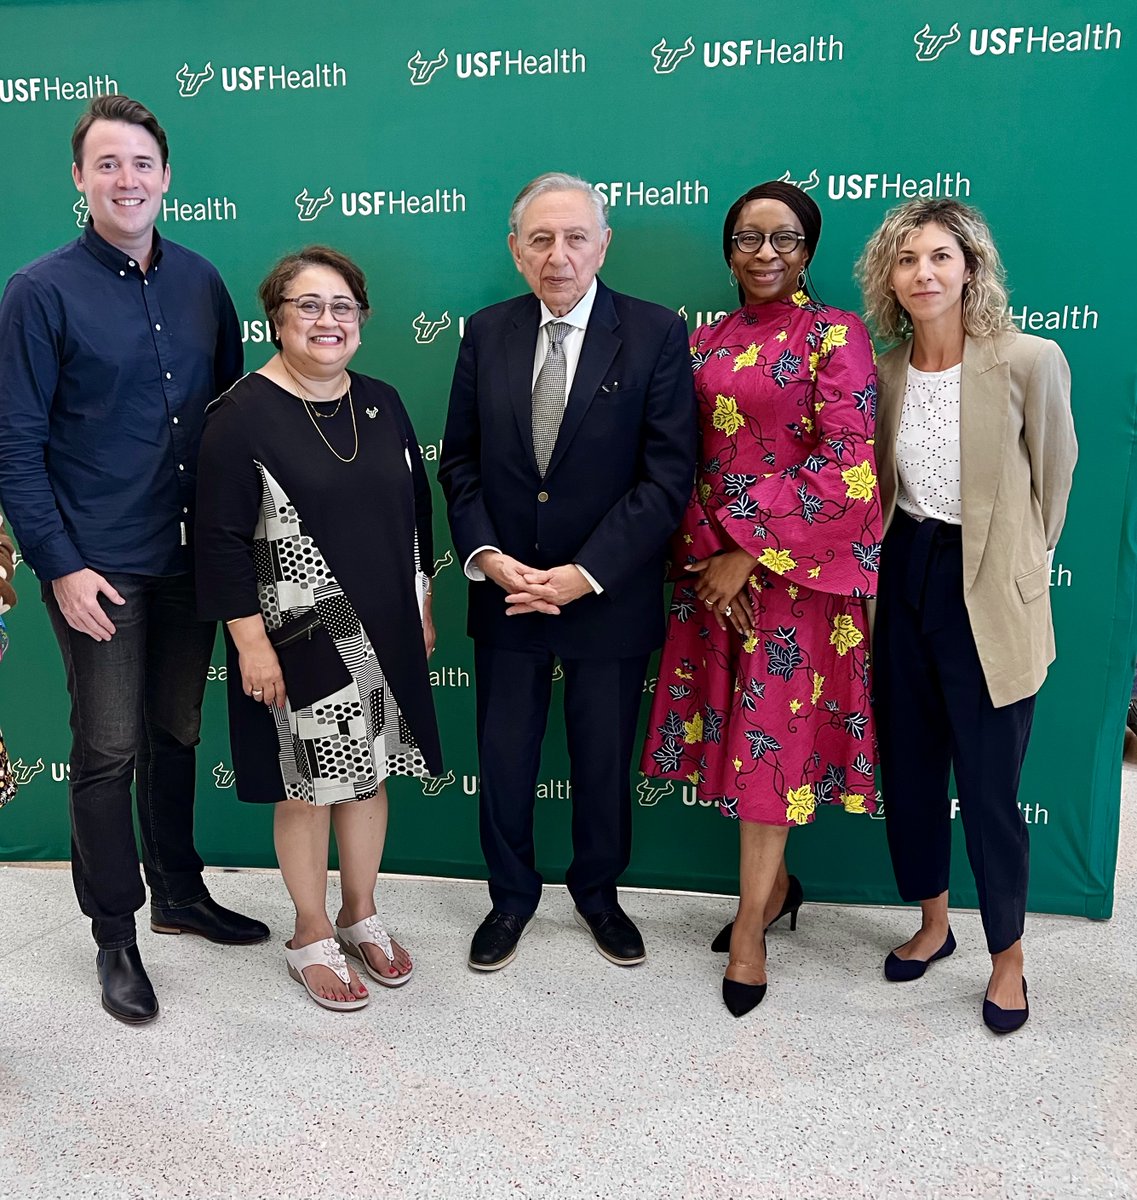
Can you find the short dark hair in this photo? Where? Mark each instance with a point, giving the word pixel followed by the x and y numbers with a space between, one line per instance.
pixel 275 283
pixel 117 108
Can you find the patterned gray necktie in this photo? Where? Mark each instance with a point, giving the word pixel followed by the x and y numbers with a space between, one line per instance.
pixel 549 396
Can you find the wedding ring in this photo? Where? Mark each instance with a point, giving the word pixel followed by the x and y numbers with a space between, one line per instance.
pixel 728 610
pixel 709 603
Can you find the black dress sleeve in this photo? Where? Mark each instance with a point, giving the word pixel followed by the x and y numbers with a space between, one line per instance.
pixel 229 493
pixel 424 510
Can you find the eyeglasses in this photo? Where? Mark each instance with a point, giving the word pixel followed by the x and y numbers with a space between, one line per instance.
pixel 784 241
pixel 344 311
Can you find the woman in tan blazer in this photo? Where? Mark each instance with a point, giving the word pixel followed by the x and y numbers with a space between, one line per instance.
pixel 975 451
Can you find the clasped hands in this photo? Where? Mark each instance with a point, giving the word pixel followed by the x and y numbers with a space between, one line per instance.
pixel 721 585
pixel 532 589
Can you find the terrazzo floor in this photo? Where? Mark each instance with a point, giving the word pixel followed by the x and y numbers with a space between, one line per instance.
pixel 562 1076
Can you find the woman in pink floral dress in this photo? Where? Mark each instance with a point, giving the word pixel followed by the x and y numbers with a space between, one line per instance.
pixel 763 695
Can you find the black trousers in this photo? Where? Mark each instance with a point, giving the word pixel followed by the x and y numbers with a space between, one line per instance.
pixel 601 707
pixel 933 713
pixel 135 719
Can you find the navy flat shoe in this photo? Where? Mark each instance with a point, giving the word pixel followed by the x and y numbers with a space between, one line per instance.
pixel 904 970
pixel 1005 1020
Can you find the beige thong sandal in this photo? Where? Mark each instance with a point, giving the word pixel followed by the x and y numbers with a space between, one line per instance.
pixel 322 954
pixel 351 937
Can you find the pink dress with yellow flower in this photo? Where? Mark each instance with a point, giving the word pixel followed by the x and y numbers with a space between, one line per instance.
pixel 772 726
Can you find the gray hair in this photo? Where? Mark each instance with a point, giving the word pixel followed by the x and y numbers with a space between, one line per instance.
pixel 556 181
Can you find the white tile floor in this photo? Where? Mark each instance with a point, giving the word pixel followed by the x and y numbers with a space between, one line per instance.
pixel 563 1076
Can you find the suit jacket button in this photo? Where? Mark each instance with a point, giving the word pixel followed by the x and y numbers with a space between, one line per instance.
pixel 542 497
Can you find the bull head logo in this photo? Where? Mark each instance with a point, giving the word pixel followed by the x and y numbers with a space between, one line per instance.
pixel 432 786
pixel 423 71
pixel 310 207
pixel 426 331
pixel 81 211
pixel 191 82
pixel 650 794
pixel 24 773
pixel 222 776
pixel 447 560
pixel 806 185
pixel 666 60
pixel 929 45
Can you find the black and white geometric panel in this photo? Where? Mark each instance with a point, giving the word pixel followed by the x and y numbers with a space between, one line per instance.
pixel 344 745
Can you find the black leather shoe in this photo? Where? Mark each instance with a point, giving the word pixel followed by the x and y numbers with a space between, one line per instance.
pixel 209 920
pixel 1005 1020
pixel 795 896
pixel 615 935
pixel 127 991
pixel 494 944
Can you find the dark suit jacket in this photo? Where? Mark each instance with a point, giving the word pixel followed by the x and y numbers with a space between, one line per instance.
pixel 619 478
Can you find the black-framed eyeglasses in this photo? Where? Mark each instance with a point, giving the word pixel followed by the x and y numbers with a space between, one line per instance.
pixel 784 241
pixel 311 309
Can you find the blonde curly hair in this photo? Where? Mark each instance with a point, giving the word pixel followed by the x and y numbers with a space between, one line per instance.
pixel 985 296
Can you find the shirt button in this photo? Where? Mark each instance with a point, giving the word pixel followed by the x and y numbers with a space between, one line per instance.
pixel 168 375
pixel 185 510
pixel 175 419
pixel 123 274
pixel 132 263
pixel 542 497
pixel 157 326
pixel 181 466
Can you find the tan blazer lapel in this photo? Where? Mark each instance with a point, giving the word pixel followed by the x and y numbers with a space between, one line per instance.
pixel 984 413
pixel 892 379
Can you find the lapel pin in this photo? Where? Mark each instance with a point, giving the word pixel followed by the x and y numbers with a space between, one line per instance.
pixel 373 413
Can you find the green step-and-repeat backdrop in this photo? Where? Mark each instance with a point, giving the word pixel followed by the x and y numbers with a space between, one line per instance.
pixel 400 134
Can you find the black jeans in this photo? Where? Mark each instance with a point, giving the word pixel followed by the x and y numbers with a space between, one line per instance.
pixel 135 717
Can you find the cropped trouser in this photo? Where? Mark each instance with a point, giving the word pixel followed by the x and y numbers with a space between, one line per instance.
pixel 934 714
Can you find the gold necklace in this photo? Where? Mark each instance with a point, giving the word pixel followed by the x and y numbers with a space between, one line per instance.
pixel 307 403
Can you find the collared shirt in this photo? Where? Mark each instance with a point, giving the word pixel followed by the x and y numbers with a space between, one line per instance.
pixel 105 372
pixel 927 447
pixel 571 344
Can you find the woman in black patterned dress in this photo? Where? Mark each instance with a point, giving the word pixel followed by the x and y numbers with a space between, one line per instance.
pixel 314 546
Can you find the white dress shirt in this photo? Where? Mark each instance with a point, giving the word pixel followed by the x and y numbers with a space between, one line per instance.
pixel 571 345
pixel 927 446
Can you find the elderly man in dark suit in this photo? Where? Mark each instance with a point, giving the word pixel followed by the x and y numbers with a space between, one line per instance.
pixel 568 456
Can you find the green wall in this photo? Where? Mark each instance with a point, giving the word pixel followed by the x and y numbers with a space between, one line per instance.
pixel 418 160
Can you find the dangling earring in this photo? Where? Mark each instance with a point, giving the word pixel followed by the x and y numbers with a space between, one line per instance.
pixel 733 281
pixel 801 280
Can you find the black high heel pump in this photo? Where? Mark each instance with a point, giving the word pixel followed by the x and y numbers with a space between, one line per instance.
pixel 740 998
pixel 793 901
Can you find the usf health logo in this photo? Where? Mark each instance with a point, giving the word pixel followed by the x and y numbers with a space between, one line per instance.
pixel 25 773
pixel 426 331
pixel 668 58
pixel 807 184
pixel 81 211
pixel 311 206
pixel 222 776
pixel 433 785
pixel 650 793
pixel 929 45
pixel 447 560
pixel 424 70
pixel 191 82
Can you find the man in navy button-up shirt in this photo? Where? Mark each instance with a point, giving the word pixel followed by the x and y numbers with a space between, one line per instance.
pixel 110 349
